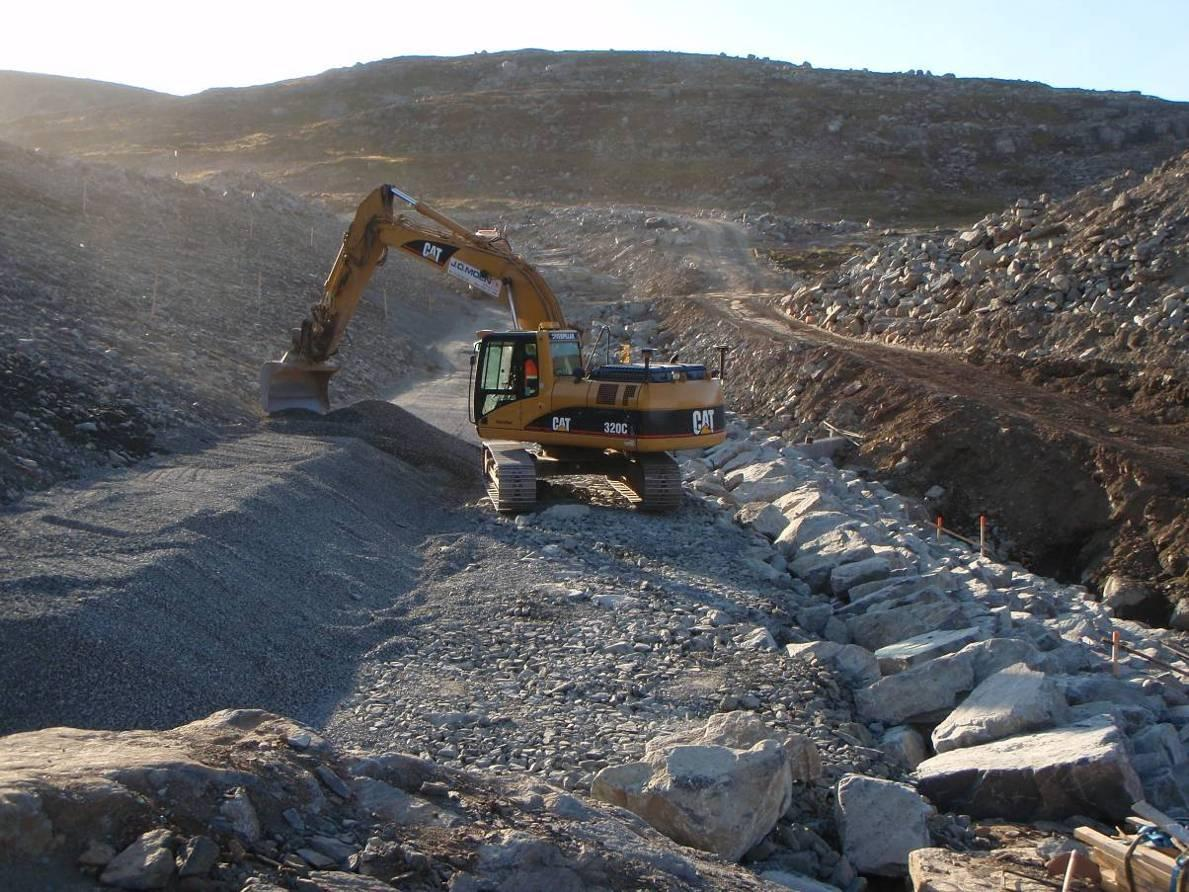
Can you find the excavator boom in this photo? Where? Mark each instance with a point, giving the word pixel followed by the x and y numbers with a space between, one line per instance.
pixel 300 380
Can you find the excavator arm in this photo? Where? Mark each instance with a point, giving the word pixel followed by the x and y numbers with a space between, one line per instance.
pixel 483 260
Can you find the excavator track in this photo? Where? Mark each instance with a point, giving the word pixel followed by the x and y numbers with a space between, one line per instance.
pixel 652 484
pixel 510 474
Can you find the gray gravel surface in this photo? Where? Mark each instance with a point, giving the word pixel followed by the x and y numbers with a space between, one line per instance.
pixel 255 572
pixel 562 641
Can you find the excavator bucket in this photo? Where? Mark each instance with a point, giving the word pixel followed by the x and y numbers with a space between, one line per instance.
pixel 295 385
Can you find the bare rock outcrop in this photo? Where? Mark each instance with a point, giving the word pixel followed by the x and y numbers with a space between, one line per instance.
pixel 247 795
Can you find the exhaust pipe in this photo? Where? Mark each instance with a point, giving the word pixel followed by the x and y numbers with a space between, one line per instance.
pixel 292 384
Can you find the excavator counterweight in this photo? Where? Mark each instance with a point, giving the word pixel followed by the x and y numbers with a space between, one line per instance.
pixel 538 410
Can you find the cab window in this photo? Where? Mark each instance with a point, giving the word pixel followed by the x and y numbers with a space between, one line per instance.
pixel 507 372
pixel 566 358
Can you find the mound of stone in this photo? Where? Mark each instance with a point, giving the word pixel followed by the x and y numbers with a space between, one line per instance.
pixel 247 797
pixel 1101 275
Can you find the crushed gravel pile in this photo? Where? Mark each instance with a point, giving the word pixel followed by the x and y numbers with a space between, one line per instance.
pixel 393 430
pixel 255 572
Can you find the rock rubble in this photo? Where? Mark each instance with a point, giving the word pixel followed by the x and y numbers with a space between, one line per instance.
pixel 1098 276
pixel 1015 654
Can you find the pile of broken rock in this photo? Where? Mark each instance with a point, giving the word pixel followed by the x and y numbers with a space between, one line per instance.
pixel 1100 275
pixel 988 680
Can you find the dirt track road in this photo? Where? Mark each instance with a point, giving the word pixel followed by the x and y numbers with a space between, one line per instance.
pixel 1087 487
pixel 1162 445
pixel 747 302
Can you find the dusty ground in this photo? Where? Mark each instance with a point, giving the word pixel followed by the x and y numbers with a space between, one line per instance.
pixel 1076 479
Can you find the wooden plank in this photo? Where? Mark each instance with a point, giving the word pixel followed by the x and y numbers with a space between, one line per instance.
pixel 1151 868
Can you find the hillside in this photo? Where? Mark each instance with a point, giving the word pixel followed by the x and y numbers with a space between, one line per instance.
pixel 815 673
pixel 138 311
pixel 667 129
pixel 1101 276
pixel 24 93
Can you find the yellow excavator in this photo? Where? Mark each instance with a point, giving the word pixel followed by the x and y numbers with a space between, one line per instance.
pixel 541 409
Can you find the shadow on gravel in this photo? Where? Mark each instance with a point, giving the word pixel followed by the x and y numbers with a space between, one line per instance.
pixel 390 429
pixel 255 573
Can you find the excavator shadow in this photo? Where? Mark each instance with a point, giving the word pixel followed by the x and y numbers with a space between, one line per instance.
pixel 396 431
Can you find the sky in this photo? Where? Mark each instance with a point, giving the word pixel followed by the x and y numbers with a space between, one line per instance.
pixel 178 47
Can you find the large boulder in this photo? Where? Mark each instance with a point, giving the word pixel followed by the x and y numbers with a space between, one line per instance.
pixel 1011 701
pixel 763 518
pixel 817 558
pixel 888 593
pixel 855 664
pixel 805 499
pixel 880 822
pixel 146 864
pixel 879 628
pixel 844 577
pixel 806 526
pixel 1077 769
pixel 722 794
pixel 763 490
pixel 756 472
pixel 922 648
pixel 905 745
pixel 919 695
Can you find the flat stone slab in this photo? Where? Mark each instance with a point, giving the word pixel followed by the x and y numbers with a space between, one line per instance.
pixel 1012 701
pixel 1052 775
pixel 919 649
pixel 879 628
pixel 925 693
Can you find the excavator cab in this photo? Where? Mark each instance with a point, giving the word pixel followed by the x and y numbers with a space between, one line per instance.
pixel 507 369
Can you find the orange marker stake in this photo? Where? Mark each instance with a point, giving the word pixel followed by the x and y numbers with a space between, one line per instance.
pixel 982 535
pixel 1114 653
pixel 938 527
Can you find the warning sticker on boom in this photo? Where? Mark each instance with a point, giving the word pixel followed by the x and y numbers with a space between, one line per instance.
pixel 472 275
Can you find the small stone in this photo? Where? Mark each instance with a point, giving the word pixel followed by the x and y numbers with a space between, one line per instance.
pixel 315 859
pixel 242 815
pixel 332 848
pixel 146 864
pixel 197 857
pixel 333 782
pixel 96 854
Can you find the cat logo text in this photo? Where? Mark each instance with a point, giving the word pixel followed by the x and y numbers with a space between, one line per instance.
pixel 703 421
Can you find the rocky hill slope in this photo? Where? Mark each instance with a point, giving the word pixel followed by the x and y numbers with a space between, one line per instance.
pixel 826 693
pixel 1101 276
pixel 667 129
pixel 23 94
pixel 138 310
